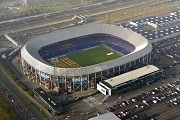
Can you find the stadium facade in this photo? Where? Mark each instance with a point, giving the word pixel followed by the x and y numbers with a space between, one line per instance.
pixel 135 48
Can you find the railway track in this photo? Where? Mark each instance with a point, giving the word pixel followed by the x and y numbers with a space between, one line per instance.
pixel 51 21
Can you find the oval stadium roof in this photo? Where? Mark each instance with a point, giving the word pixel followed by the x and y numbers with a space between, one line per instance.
pixel 29 51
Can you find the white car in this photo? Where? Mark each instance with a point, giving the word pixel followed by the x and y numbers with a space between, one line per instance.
pixel 123 104
pixel 174 99
pixel 155 101
pixel 134 100
pixel 175 103
pixel 158 98
pixel 177 88
pixel 144 101
pixel 170 85
pixel 136 106
pixel 123 113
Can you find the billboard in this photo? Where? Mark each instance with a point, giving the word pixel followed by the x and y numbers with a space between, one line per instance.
pixel 101 89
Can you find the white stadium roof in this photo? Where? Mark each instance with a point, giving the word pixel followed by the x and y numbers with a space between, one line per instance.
pixel 131 75
pixel 106 116
pixel 29 51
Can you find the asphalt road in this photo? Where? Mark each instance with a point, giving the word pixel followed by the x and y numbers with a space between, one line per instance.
pixel 5 97
pixel 23 105
pixel 18 25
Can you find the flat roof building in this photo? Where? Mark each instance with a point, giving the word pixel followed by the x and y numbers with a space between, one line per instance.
pixel 53 106
pixel 130 80
pixel 131 75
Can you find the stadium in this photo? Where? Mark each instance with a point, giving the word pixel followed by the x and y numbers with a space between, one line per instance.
pixel 77 58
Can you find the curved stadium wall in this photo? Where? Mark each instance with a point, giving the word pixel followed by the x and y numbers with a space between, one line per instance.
pixel 35 66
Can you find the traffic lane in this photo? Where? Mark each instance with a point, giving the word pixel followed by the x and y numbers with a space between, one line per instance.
pixel 72 111
pixel 16 104
pixel 23 100
pixel 82 115
pixel 11 106
pixel 21 109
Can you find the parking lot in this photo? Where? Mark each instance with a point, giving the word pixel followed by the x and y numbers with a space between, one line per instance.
pixel 146 103
pixel 167 56
pixel 170 48
pixel 156 100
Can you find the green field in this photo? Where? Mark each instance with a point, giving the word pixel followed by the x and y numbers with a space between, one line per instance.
pixel 93 56
pixel 63 5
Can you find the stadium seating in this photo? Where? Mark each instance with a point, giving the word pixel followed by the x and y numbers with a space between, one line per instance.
pixel 76 44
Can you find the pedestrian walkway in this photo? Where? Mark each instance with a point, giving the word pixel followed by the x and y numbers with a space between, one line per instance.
pixel 91 101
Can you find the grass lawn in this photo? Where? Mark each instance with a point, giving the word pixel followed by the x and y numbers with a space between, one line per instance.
pixel 93 56
pixel 55 7
pixel 62 5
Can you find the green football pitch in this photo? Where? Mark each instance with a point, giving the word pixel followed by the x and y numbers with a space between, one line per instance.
pixel 93 56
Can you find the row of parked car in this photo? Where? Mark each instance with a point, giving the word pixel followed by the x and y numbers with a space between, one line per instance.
pixel 142 97
pixel 161 97
pixel 128 111
pixel 153 100
pixel 172 102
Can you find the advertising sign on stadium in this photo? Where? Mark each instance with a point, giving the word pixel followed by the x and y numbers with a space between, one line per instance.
pixel 101 89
